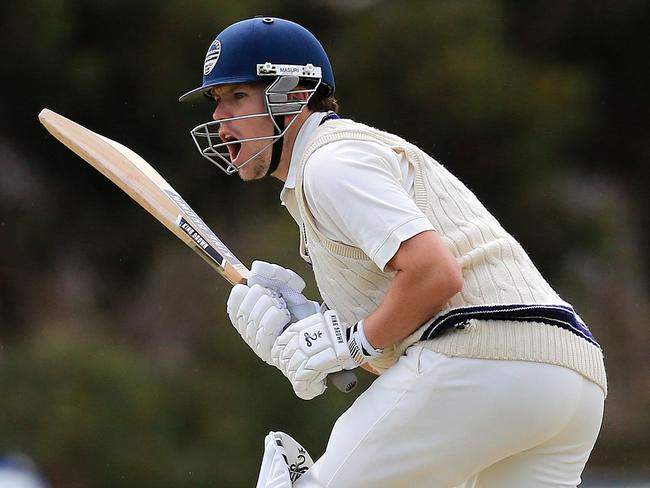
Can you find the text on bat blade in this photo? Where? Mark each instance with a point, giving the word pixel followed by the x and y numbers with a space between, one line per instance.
pixel 196 237
pixel 182 204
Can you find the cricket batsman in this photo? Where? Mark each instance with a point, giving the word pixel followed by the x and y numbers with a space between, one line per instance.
pixel 486 376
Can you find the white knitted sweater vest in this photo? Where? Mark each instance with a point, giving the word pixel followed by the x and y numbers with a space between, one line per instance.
pixel 496 270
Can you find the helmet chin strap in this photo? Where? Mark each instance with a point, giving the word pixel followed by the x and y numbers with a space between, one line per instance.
pixel 276 153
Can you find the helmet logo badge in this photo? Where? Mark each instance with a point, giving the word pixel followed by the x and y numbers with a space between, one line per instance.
pixel 211 57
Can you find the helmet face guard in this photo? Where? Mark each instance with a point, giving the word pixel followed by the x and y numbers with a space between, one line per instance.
pixel 277 52
pixel 278 104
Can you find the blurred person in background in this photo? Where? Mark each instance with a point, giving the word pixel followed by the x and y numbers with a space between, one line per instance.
pixel 19 471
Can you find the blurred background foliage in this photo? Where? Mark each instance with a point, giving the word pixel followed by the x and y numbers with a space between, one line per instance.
pixel 118 366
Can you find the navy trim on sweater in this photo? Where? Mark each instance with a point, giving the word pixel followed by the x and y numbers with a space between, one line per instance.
pixel 329 116
pixel 557 315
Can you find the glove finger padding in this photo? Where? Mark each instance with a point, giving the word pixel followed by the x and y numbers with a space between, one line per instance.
pixel 237 295
pixel 270 326
pixel 258 317
pixel 254 295
pixel 275 276
pixel 263 304
pixel 308 390
pixel 285 283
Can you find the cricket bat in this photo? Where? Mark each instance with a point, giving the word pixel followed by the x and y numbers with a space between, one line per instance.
pixel 143 183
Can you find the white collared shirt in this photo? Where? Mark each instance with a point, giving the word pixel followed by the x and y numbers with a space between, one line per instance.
pixel 360 193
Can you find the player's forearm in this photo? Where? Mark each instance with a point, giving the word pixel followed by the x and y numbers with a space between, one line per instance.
pixel 410 302
pixel 427 277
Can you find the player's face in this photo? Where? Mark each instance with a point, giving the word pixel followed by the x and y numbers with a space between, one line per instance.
pixel 235 101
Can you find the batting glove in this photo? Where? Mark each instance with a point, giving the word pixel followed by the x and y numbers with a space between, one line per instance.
pixel 259 315
pixel 285 283
pixel 310 349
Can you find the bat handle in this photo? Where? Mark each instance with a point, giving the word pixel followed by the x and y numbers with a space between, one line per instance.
pixel 345 380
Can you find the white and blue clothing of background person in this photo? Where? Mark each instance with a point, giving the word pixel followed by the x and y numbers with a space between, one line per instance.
pixel 504 387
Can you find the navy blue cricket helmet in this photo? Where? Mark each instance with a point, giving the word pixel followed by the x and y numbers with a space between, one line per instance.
pixel 234 56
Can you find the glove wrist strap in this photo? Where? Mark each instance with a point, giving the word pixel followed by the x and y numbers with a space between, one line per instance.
pixel 360 348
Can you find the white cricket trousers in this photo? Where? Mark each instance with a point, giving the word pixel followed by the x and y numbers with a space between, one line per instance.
pixel 433 421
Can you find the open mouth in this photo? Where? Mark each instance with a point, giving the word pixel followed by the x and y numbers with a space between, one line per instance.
pixel 233 150
pixel 233 145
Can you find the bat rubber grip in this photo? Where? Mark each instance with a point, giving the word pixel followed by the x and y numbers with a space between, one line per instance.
pixel 345 380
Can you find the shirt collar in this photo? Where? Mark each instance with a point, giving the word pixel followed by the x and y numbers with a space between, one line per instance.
pixel 299 146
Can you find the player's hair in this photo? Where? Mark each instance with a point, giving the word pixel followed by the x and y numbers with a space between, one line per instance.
pixel 322 103
pixel 321 100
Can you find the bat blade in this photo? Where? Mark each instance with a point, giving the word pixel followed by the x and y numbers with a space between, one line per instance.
pixel 146 186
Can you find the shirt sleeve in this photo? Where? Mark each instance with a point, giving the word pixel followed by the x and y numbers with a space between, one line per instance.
pixel 355 192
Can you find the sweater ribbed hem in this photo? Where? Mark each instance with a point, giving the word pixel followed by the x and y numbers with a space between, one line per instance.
pixel 511 340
